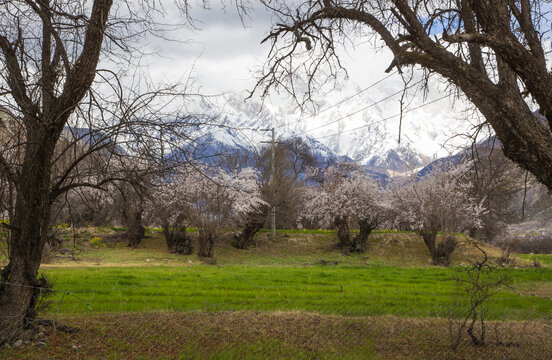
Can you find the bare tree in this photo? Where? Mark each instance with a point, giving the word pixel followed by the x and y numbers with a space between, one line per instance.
pixel 45 100
pixel 54 89
pixel 132 195
pixel 490 50
pixel 502 187
pixel 470 303
pixel 293 157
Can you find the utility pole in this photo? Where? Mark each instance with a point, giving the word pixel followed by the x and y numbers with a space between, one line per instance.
pixel 272 175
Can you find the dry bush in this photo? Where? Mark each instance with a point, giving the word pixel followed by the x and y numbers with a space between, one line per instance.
pixel 532 244
pixel 470 306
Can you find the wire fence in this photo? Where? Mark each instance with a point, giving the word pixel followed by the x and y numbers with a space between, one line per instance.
pixel 232 312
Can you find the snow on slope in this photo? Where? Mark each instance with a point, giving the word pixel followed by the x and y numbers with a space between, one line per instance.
pixel 239 126
pixel 364 128
pixel 371 136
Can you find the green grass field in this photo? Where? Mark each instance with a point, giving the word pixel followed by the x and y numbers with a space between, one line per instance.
pixel 346 291
pixel 544 259
pixel 294 296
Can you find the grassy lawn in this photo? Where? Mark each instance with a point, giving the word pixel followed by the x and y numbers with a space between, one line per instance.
pixel 293 296
pixel 544 259
pixel 287 248
pixel 347 291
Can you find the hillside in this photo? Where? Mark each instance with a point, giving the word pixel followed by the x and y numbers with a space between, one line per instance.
pixel 100 247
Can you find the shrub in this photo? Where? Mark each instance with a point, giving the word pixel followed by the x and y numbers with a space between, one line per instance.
pixel 97 242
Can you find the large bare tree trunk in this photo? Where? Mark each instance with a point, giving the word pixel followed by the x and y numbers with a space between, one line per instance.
pixel 45 102
pixel 29 229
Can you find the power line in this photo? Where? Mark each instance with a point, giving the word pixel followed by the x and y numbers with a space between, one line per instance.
pixel 342 101
pixel 387 118
pixel 356 94
pixel 224 126
pixel 364 108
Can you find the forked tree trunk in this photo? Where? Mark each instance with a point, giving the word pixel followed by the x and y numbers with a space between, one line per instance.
pixel 360 241
pixel 45 112
pixel 440 254
pixel 255 222
pixel 343 234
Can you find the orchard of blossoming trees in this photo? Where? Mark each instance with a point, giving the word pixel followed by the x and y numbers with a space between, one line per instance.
pixel 440 202
pixel 207 199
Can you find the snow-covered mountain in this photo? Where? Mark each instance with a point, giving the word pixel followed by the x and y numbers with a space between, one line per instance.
pixel 362 128
pixel 235 127
pixel 367 126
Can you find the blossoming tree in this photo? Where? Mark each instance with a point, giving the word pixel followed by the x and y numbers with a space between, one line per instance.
pixel 439 202
pixel 348 194
pixel 208 199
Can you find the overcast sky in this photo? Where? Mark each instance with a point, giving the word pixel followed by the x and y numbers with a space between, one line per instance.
pixel 224 54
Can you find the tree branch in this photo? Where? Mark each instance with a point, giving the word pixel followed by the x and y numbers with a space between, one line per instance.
pixel 16 81
pixel 80 78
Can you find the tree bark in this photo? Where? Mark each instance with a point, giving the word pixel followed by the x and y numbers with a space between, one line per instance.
pixel 444 250
pixel 244 239
pixel 429 241
pixel 206 243
pixel 255 222
pixel 360 240
pixel 29 232
pixel 343 235
pixel 135 231
pixel 441 254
